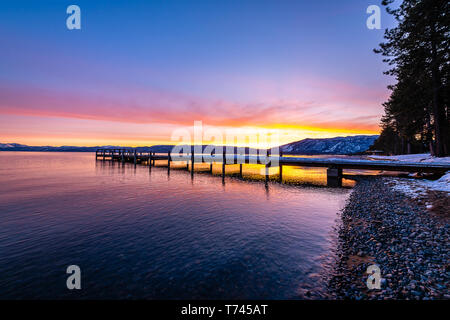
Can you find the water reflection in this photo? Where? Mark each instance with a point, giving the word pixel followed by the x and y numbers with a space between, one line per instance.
pixel 295 175
pixel 140 233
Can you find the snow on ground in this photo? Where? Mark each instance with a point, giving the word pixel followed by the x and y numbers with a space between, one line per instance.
pixel 418 187
pixel 420 157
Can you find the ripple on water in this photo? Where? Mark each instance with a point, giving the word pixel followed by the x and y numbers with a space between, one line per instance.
pixel 141 234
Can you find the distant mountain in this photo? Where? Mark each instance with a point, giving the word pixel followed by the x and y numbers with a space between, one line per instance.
pixel 338 145
pixel 155 148
pixel 22 147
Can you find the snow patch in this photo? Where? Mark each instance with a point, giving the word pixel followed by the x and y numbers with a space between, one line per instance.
pixel 415 187
pixel 420 157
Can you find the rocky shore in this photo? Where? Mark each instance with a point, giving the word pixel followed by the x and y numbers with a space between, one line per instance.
pixel 407 241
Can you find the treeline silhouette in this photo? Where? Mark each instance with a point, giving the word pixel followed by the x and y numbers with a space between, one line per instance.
pixel 416 115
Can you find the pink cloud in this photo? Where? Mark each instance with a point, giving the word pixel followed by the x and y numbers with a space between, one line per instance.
pixel 337 107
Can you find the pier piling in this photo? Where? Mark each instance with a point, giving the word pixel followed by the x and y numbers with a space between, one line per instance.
pixel 223 165
pixel 168 162
pixel 334 177
pixel 334 167
pixel 192 161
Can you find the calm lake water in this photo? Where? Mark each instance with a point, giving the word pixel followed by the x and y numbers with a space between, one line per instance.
pixel 137 233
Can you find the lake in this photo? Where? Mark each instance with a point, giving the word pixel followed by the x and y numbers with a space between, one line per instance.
pixel 143 234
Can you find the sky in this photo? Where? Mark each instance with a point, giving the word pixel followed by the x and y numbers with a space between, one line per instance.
pixel 137 72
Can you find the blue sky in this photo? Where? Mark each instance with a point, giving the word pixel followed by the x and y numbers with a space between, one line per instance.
pixel 157 60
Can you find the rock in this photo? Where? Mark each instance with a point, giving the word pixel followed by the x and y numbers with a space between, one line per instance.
pixel 410 246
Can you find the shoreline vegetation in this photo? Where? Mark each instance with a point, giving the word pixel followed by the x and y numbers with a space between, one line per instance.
pixel 416 114
pixel 404 236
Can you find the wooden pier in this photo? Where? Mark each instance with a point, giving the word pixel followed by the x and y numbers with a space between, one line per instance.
pixel 243 156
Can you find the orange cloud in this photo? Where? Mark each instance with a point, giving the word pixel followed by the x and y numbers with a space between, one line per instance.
pixel 160 107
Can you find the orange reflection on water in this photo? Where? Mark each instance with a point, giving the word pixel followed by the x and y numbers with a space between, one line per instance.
pixel 295 175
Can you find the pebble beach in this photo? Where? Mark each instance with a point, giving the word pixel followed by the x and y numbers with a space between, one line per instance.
pixel 399 234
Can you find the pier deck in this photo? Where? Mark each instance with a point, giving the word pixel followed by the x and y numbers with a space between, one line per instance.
pixel 334 165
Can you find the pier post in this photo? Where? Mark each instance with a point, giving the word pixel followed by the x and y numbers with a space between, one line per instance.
pixel 135 156
pixel 103 154
pixel 266 176
pixel 280 167
pixel 168 162
pixel 334 177
pixel 240 170
pixel 210 167
pixel 223 165
pixel 149 161
pixel 192 161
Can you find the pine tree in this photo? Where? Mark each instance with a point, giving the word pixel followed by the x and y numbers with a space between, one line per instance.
pixel 417 50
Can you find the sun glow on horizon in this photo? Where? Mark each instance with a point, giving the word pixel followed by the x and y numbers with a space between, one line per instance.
pixel 138 137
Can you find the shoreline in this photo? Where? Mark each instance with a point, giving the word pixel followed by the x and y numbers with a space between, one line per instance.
pixel 399 234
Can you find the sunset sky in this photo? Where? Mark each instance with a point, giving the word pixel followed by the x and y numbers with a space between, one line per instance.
pixel 138 70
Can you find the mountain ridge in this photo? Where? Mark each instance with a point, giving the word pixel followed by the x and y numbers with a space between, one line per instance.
pixel 308 146
pixel 337 145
